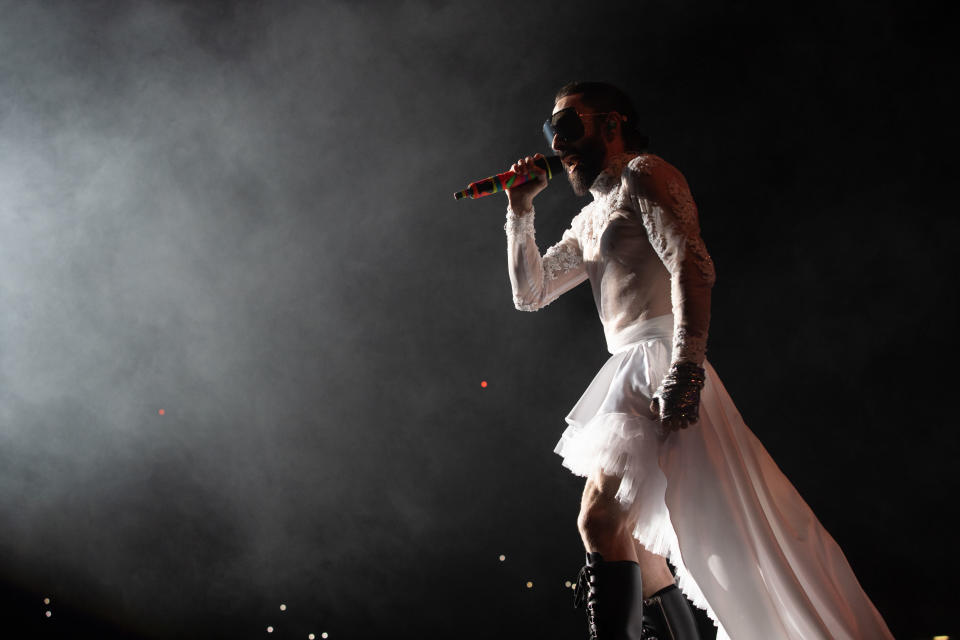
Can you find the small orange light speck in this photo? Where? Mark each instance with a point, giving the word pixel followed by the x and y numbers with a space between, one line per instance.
pixel 484 384
pixel 162 412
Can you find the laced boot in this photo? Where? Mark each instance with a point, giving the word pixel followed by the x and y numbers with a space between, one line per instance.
pixel 612 593
pixel 667 616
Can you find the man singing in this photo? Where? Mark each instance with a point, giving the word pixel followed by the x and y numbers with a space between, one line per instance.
pixel 672 471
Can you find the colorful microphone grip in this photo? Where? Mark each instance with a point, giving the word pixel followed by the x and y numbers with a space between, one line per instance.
pixel 508 179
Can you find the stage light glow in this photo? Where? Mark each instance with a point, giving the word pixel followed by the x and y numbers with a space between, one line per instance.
pixel 483 384
pixel 324 635
pixel 46 601
pixel 502 557
pixel 283 607
pixel 941 637
pixel 529 585
pixel 311 637
pixel 269 629
pixel 162 412
pixel 49 613
pixel 567 584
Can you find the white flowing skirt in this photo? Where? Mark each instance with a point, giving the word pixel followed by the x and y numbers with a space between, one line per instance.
pixel 710 499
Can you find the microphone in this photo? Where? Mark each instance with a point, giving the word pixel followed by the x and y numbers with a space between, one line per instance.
pixel 507 179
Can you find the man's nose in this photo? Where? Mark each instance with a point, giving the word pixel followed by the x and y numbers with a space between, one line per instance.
pixel 559 144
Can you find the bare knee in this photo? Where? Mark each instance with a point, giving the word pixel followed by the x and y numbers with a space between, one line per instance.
pixel 599 521
pixel 602 522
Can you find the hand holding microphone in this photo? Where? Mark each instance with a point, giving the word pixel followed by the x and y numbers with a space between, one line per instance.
pixel 521 196
pixel 525 179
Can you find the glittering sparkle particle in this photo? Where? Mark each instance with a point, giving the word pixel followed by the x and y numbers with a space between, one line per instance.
pixel 502 558
pixel 283 607
pixel 529 585
pixel 49 613
pixel 484 384
pixel 269 629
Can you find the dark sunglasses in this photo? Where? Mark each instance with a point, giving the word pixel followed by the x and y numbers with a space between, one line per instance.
pixel 567 124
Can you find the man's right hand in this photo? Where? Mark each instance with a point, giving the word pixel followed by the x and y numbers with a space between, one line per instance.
pixel 521 197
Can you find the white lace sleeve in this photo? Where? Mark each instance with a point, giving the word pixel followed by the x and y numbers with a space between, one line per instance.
pixel 539 280
pixel 661 195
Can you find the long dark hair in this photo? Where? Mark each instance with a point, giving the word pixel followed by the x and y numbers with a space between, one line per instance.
pixel 603 96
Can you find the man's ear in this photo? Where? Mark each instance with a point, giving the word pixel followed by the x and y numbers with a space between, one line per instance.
pixel 610 128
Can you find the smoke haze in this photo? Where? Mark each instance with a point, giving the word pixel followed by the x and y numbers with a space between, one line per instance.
pixel 243 324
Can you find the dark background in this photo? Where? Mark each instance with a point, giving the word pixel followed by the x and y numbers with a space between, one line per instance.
pixel 241 214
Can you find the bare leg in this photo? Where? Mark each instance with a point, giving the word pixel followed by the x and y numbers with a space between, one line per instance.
pixel 602 522
pixel 606 528
pixel 656 574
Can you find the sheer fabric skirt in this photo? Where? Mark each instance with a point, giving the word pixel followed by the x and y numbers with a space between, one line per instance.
pixel 709 498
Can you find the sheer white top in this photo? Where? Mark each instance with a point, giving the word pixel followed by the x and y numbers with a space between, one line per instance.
pixel 639 244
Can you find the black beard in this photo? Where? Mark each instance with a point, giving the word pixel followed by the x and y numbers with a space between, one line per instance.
pixel 589 166
pixel 582 178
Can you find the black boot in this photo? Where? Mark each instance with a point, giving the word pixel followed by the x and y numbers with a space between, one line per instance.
pixel 613 596
pixel 667 616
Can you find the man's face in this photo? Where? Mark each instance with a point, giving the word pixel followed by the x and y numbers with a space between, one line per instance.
pixel 584 158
